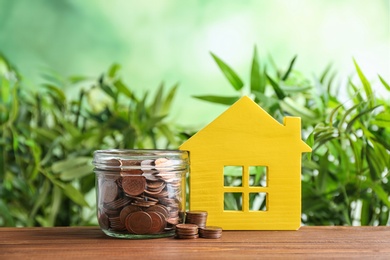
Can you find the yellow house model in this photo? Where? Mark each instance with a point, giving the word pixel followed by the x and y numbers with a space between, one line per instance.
pixel 243 138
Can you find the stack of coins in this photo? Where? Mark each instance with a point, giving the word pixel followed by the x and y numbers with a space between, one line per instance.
pixel 196 217
pixel 210 232
pixel 186 231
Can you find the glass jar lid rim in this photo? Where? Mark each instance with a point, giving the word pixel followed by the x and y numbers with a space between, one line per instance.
pixel 123 159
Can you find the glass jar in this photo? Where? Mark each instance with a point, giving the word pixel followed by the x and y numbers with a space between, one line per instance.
pixel 140 193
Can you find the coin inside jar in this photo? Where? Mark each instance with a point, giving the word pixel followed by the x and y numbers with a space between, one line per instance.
pixel 133 185
pixel 109 191
pixel 139 223
pixel 158 223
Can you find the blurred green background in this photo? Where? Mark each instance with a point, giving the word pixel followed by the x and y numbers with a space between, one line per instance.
pixel 77 76
pixel 170 41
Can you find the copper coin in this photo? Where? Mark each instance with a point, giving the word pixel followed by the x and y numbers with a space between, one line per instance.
pixel 187 236
pixel 112 164
pixel 109 191
pixel 160 208
pixel 197 217
pixel 126 211
pixel 139 222
pixel 124 162
pixel 116 204
pixel 156 185
pixel 103 220
pixel 210 232
pixel 115 224
pixel 126 172
pixel 133 185
pixel 187 226
pixel 158 224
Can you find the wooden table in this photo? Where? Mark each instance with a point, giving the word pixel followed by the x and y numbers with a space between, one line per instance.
pixel 91 243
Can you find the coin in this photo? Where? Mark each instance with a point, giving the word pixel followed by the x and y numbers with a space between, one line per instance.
pixel 186 231
pixel 103 220
pixel 139 223
pixel 109 191
pixel 158 224
pixel 159 208
pixel 210 232
pixel 197 217
pixel 126 211
pixel 133 185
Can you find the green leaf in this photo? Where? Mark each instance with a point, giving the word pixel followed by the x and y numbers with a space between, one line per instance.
pixel 256 82
pixel 158 100
pixel 325 73
pixel 168 100
pixel 75 195
pixel 285 76
pixel 78 171
pixel 41 198
pixel 387 86
pixel 55 205
pixel 113 70
pixel 232 77
pixel 353 120
pixel 364 215
pixel 69 163
pixel 122 88
pixel 295 109
pixel 59 94
pixel 5 214
pixel 294 89
pixel 108 90
pixel 219 99
pixel 77 79
pixel 366 84
pixel 310 142
pixel 278 91
pixel 382 194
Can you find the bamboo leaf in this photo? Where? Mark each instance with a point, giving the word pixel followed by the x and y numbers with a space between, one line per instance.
pixel 57 92
pixel 295 89
pixel 113 70
pixel 75 195
pixel 366 84
pixel 77 171
pixel 285 76
pixel 289 105
pixel 122 88
pixel 108 90
pixel 278 91
pixel 387 86
pixel 55 205
pixel 168 100
pixel 382 194
pixel 69 163
pixel 77 79
pixel 5 214
pixel 357 117
pixel 364 213
pixel 219 99
pixel 41 198
pixel 325 73
pixel 256 83
pixel 232 77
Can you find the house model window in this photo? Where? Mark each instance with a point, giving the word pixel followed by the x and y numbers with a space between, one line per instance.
pixel 245 188
pixel 246 169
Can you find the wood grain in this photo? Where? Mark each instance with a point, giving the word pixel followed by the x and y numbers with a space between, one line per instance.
pixel 91 243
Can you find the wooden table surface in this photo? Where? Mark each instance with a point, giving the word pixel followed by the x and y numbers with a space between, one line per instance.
pixel 90 242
